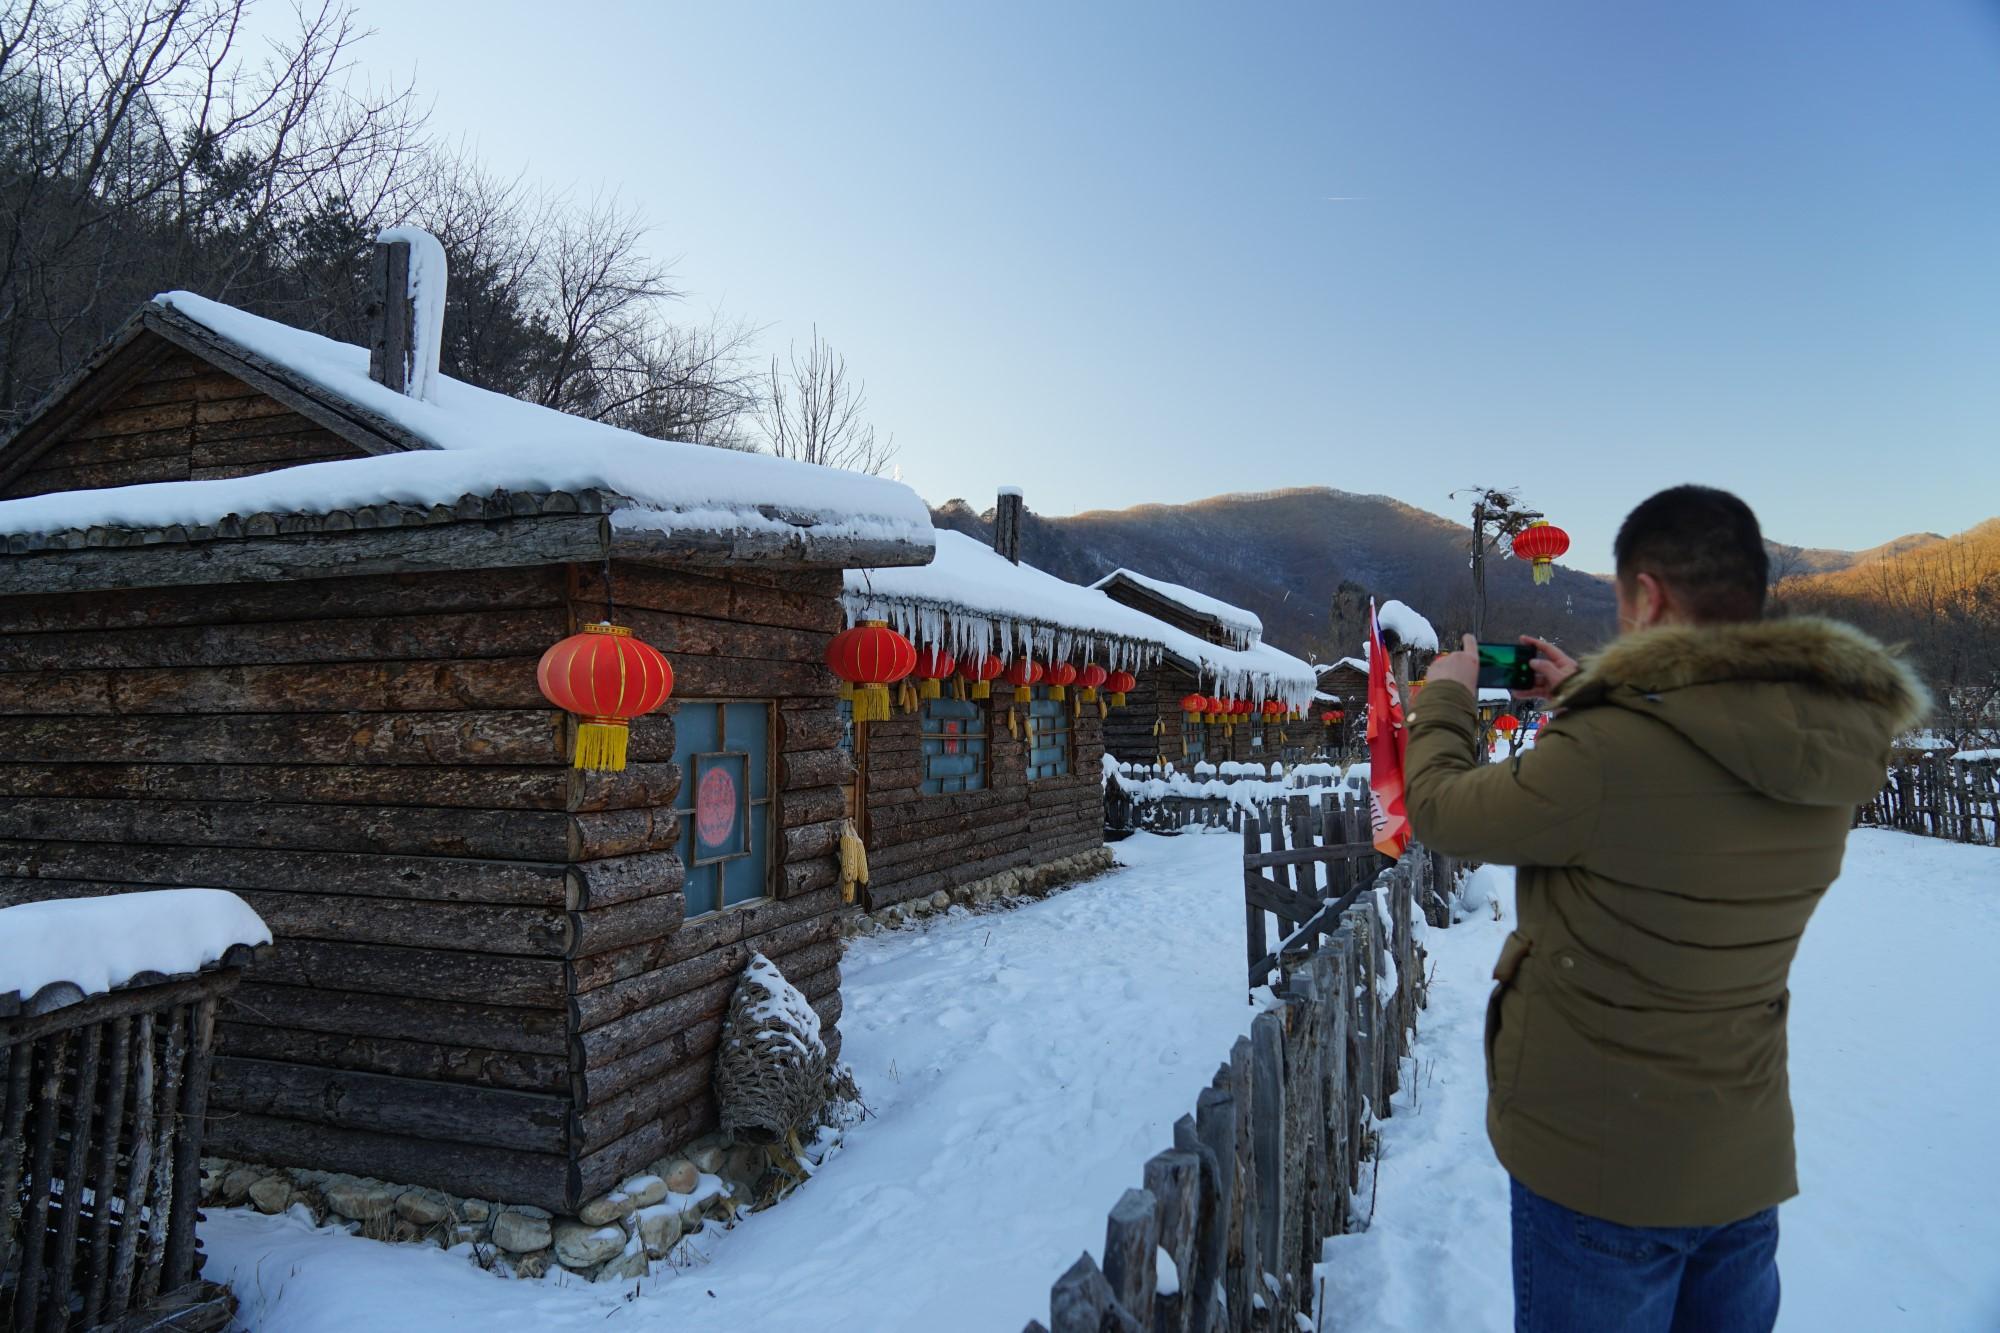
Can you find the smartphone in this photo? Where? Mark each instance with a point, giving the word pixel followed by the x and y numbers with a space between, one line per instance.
pixel 1506 666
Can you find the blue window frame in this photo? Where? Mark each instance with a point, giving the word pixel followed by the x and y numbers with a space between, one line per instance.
pixel 954 743
pixel 1048 739
pixel 723 748
pixel 846 708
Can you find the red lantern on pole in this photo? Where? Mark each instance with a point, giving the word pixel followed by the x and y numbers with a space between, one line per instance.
pixel 1118 684
pixel 1089 679
pixel 1023 673
pixel 1061 675
pixel 980 673
pixel 933 665
pixel 1541 542
pixel 606 677
pixel 871 657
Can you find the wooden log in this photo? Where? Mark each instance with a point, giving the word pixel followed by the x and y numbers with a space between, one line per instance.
pixel 678 1049
pixel 480 1172
pixel 596 1172
pixel 104 1185
pixel 493 788
pixel 168 1129
pixel 1131 1249
pixel 193 1110
pixel 34 1209
pixel 519 1070
pixel 1215 1133
pixel 82 1110
pixel 138 1176
pixel 359 1014
pixel 803 877
pixel 1253 923
pixel 815 768
pixel 603 1004
pixel 722 597
pixel 1081 1301
pixel 1245 1268
pixel 612 1118
pixel 430 879
pixel 486 683
pixel 469 737
pixel 527 835
pixel 1174 1180
pixel 13 1142
pixel 453 1113
pixel 1267 1137
pixel 700 936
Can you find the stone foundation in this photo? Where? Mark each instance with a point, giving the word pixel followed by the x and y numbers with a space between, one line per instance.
pixel 613 1238
pixel 1009 888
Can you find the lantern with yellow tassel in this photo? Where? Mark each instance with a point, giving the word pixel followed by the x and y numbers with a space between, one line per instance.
pixel 980 673
pixel 1118 684
pixel 933 665
pixel 1060 676
pixel 606 677
pixel 1194 705
pixel 1089 678
pixel 1023 673
pixel 871 657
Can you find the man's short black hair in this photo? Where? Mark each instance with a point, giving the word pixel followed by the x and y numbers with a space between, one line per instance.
pixel 1705 545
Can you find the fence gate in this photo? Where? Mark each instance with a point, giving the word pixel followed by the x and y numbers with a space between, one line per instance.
pixel 1306 885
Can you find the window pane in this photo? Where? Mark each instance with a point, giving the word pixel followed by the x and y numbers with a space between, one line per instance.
pixel 954 746
pixel 718 805
pixel 748 728
pixel 743 878
pixel 694 733
pixel 701 882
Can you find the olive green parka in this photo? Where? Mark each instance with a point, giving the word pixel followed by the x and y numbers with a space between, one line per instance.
pixel 1675 826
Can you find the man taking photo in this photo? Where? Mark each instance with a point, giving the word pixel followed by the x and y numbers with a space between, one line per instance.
pixel 1674 826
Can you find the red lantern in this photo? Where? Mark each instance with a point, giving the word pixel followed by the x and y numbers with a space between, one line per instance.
pixel 1241 707
pixel 871 657
pixel 605 677
pixel 1333 715
pixel 980 673
pixel 1061 676
pixel 1194 705
pixel 1273 710
pixel 1023 673
pixel 933 665
pixel 1506 724
pixel 1090 678
pixel 1541 542
pixel 1118 684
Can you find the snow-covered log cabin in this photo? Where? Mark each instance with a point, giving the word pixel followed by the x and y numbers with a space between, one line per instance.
pixel 1214 648
pixel 270 613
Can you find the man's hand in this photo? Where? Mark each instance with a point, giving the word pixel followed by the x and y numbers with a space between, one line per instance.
pixel 1462 666
pixel 1552 666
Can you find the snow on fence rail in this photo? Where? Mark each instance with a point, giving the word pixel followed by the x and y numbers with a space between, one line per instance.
pixel 104 1065
pixel 1955 797
pixel 1157 800
pixel 1224 1235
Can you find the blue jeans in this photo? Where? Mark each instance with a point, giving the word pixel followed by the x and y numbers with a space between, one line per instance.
pixel 1574 1273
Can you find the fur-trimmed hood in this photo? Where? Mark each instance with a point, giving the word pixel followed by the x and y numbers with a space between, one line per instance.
pixel 1802 709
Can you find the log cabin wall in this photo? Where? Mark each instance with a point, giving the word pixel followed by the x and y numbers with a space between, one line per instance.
pixel 178 419
pixel 481 978
pixel 920 843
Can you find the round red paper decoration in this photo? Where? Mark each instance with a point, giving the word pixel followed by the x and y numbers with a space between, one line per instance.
pixel 1194 705
pixel 933 665
pixel 871 657
pixel 1506 724
pixel 1273 709
pixel 1023 673
pixel 606 677
pixel 1333 715
pixel 1089 678
pixel 1118 684
pixel 1541 542
pixel 1061 676
pixel 980 673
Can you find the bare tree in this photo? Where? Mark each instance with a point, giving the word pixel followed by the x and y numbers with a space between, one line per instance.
pixel 815 413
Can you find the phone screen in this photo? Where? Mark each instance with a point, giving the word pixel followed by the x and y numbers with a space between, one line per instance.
pixel 1505 666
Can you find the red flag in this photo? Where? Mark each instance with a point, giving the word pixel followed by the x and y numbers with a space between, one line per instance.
pixel 1388 743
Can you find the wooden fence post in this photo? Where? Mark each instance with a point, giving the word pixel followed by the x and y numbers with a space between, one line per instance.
pixel 1131 1242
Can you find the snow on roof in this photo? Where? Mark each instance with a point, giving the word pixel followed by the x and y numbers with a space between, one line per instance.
pixel 1407 625
pixel 482 442
pixel 971 600
pixel 99 943
pixel 1243 627
pixel 1356 663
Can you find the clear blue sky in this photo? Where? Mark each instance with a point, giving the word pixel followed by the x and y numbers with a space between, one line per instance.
pixel 1130 253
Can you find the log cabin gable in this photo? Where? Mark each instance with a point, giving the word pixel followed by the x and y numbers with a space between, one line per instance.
pixel 1139 598
pixel 167 400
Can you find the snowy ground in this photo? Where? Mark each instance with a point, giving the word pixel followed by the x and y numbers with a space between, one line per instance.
pixel 1895 1079
pixel 1021 1066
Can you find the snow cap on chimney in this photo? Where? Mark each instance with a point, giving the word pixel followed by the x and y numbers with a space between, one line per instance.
pixel 407 311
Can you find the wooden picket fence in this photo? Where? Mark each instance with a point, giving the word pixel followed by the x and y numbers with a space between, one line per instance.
pixel 1266 1167
pixel 102 1099
pixel 1939 797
